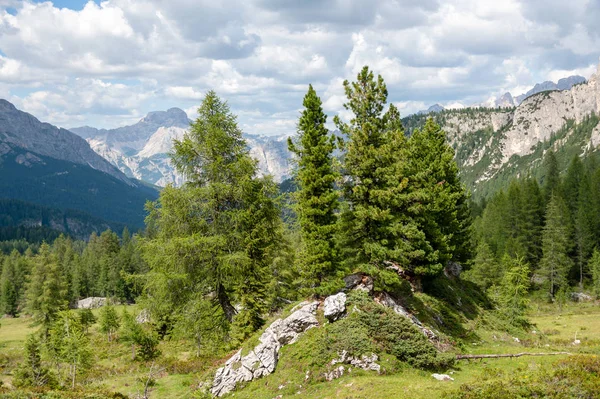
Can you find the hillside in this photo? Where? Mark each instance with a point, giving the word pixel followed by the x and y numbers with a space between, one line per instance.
pixel 45 165
pixel 494 145
pixel 24 220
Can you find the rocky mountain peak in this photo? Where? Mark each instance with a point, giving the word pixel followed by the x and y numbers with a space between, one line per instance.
pixel 174 117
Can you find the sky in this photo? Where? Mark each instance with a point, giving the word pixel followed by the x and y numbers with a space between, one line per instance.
pixel 108 63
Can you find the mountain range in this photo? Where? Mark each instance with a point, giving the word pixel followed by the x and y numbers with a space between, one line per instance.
pixel 108 175
pixel 51 167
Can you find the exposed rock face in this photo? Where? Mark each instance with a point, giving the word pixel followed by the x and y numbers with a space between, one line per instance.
pixel 581 297
pixel 334 306
pixel 453 269
pixel 365 362
pixel 386 300
pixel 141 150
pixel 143 317
pixel 19 129
pixel 262 360
pixel 91 303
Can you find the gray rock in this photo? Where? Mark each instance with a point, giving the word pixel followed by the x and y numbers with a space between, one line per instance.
pixel 453 269
pixel 262 360
pixel 442 377
pixel 334 306
pixel 580 297
pixel 91 303
pixel 359 281
pixel 143 317
pixel 364 362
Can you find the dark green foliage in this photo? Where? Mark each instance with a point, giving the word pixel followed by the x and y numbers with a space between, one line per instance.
pixel 556 244
pixel 485 270
pixel 86 319
pixel 317 199
pixel 81 188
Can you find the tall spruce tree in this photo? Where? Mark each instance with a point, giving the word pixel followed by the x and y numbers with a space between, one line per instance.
pixel 316 196
pixel 376 226
pixel 215 236
pixel 584 226
pixel 433 177
pixel 556 244
pixel 551 178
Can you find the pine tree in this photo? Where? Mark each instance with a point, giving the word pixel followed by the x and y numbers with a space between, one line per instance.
pixel 9 295
pixel 317 198
pixel 570 186
pixel 375 223
pixel 446 221
pixel 551 178
pixel 556 244
pixel 485 270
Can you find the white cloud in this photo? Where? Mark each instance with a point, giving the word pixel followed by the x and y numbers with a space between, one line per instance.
pixel 108 63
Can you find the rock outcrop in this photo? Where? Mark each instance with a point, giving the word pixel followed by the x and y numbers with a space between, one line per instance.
pixel 365 362
pixel 262 360
pixel 91 303
pixel 334 306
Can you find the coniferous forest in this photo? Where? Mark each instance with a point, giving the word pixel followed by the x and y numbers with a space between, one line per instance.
pixel 229 254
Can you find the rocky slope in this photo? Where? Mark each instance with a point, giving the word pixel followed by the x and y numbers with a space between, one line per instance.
pixel 20 130
pixel 141 150
pixel 494 145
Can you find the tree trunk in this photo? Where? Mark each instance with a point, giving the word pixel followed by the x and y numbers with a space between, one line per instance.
pixel 225 303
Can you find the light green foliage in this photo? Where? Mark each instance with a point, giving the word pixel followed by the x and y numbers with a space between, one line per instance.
pixel 317 198
pixel 143 339
pixel 109 321
pixel 69 345
pixel 556 244
pixel 86 319
pixel 485 270
pixel 47 290
pixel 32 373
pixel 216 237
pixel 513 290
pixel 594 265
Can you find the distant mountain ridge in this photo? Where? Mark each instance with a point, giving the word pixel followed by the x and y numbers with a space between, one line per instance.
pixel 48 166
pixel 141 150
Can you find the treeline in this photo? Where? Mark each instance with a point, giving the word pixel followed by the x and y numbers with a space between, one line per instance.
pixel 554 228
pixel 105 266
pixel 221 258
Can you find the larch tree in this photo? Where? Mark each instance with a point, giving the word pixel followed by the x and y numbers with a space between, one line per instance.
pixel 316 195
pixel 215 236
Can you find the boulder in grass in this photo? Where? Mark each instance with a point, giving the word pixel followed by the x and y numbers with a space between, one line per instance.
pixel 334 306
pixel 92 302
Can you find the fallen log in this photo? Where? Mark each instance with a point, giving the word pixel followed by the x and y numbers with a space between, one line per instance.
pixel 496 356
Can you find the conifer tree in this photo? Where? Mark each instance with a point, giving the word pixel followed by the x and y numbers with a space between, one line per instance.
pixel 216 235
pixel 551 178
pixel 316 196
pixel 570 186
pixel 9 295
pixel 514 288
pixel 31 372
pixel 556 244
pixel 446 221
pixel 375 224
pixel 109 321
pixel 485 270
pixel 46 292
pixel 584 226
pixel 594 265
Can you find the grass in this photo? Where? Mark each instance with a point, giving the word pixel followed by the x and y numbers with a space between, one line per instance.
pixel 180 373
